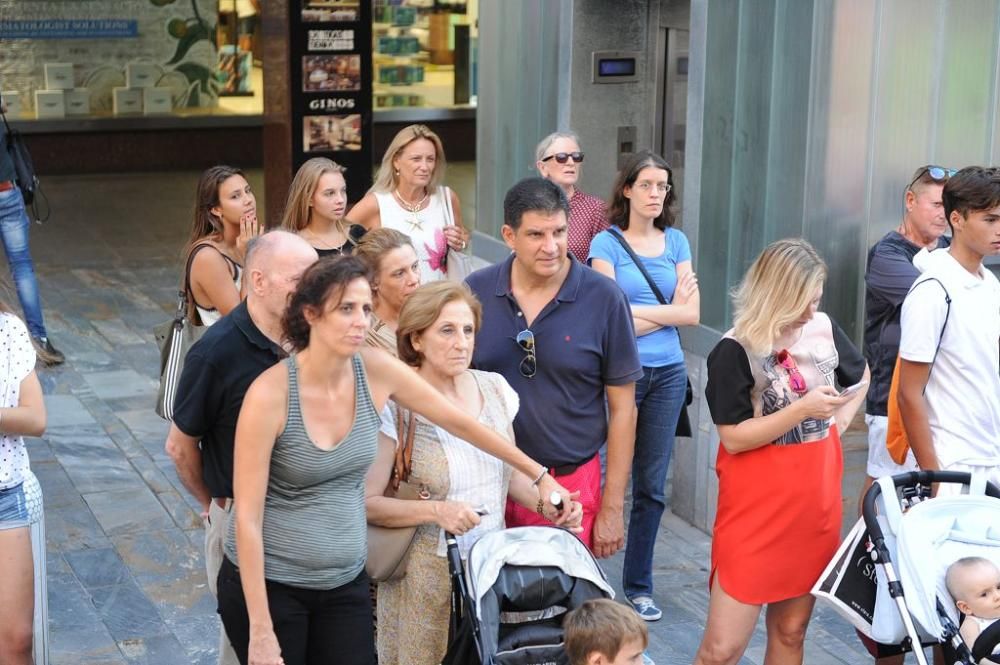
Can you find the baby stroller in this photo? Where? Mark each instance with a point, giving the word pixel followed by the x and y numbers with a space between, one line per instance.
pixel 931 535
pixel 508 608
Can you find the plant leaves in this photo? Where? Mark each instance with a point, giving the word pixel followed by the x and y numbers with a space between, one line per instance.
pixel 196 31
pixel 201 80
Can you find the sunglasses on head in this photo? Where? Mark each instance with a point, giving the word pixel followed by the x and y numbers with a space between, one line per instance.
pixel 529 364
pixel 936 173
pixel 795 379
pixel 563 157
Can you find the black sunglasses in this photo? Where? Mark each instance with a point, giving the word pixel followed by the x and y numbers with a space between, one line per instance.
pixel 563 157
pixel 936 173
pixel 529 364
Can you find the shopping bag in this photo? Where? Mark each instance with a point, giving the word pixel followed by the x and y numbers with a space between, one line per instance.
pixel 849 581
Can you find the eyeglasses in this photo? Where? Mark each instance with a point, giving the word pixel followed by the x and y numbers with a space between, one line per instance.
pixel 661 187
pixel 529 364
pixel 563 157
pixel 936 173
pixel 795 379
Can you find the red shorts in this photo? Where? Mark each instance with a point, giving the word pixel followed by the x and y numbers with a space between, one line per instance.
pixel 586 480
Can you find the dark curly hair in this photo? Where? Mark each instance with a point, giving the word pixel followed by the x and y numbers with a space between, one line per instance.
pixel 619 208
pixel 323 280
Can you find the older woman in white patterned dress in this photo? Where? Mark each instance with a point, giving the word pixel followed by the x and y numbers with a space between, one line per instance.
pixel 437 329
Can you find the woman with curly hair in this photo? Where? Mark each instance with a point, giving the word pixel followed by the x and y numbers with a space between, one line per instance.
pixel 293 587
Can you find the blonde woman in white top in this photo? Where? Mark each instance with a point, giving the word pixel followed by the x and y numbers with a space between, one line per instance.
pixel 466 488
pixel 408 196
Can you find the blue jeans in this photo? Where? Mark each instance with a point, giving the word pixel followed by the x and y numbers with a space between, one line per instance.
pixel 659 395
pixel 14 226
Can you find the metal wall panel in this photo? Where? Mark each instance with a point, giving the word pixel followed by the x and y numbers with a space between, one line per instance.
pixel 816 113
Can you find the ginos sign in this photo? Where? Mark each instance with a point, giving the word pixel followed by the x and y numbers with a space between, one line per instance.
pixel 331 104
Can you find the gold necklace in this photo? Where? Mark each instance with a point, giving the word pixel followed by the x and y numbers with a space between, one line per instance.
pixel 323 241
pixel 413 209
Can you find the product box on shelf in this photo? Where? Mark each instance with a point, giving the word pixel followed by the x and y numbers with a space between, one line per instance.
pixel 127 100
pixel 156 101
pixel 141 74
pixel 77 101
pixel 12 100
pixel 58 76
pixel 50 104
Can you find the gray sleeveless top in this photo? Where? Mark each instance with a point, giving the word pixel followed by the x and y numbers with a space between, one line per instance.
pixel 314 510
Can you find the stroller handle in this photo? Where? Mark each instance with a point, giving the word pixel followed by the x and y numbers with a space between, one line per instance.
pixel 910 479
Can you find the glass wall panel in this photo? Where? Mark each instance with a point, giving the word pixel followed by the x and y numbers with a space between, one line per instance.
pixel 815 116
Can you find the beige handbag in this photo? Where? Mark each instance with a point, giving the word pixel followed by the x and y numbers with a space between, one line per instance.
pixel 389 547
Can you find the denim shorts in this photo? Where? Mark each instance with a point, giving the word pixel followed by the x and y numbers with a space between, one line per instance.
pixel 21 506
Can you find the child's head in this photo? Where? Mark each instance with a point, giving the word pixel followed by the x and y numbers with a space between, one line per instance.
pixel 974 583
pixel 603 632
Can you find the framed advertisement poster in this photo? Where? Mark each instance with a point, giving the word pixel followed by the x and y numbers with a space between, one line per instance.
pixel 331 86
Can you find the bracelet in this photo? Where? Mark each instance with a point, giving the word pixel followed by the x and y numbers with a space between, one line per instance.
pixel 534 483
pixel 540 507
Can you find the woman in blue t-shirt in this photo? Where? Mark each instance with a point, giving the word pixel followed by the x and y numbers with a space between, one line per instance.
pixel 641 219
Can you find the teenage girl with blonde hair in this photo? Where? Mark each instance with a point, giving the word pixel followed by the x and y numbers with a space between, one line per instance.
pixel 315 208
pixel 772 391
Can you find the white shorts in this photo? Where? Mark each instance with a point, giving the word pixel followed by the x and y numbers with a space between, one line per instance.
pixel 880 463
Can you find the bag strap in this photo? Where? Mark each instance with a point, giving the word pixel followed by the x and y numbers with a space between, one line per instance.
pixel 947 314
pixel 405 428
pixel 185 296
pixel 638 264
pixel 449 214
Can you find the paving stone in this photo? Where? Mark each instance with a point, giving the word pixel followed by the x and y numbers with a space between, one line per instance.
pixel 127 612
pixel 83 645
pixel 97 567
pixel 144 423
pixel 163 556
pixel 180 511
pixel 128 511
pixel 73 527
pixel 117 333
pixel 200 636
pixel 57 488
pixel 119 384
pixel 66 410
pixel 151 474
pixel 99 470
pixel 157 650
pixel 69 604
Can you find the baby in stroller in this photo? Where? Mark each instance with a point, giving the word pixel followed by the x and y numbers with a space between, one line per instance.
pixel 974 583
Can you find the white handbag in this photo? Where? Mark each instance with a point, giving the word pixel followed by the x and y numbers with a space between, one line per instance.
pixel 458 264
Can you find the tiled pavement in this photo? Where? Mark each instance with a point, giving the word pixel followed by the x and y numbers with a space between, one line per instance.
pixel 125 572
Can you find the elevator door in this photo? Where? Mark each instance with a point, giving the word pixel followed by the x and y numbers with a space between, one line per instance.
pixel 673 117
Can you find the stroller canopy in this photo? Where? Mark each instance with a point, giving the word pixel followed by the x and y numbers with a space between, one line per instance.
pixel 534 571
pixel 933 535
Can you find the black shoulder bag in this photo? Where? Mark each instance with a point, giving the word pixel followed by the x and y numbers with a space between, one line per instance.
pixel 24 168
pixel 683 422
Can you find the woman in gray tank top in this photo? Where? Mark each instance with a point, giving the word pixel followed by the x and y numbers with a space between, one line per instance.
pixel 293 589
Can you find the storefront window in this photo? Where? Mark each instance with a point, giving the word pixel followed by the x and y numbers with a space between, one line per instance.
pixel 424 53
pixel 108 58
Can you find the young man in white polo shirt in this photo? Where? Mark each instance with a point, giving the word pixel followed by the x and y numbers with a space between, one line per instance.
pixel 949 384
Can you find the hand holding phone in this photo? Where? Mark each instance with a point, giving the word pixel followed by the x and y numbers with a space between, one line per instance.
pixel 851 390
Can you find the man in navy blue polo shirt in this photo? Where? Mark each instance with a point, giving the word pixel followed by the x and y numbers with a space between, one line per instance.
pixel 562 336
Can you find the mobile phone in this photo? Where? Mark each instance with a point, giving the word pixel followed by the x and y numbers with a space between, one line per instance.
pixel 850 390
